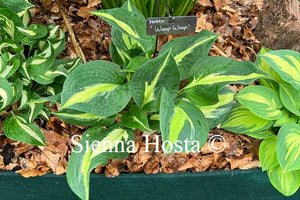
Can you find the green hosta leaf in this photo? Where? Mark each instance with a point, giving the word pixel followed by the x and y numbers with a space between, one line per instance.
pixel 136 63
pixel 290 98
pixel 148 80
pixel 262 134
pixel 267 153
pixel 242 120
pixel 42 62
pixel 269 83
pixel 288 147
pixel 85 158
pixel 84 119
pixel 286 63
pixel 261 101
pixel 136 118
pixel 15 5
pixel 17 128
pixel 154 122
pixel 188 50
pixel 100 90
pixel 9 22
pixel 34 31
pixel 285 182
pixel 216 113
pixel 6 93
pixel 209 75
pixel 181 121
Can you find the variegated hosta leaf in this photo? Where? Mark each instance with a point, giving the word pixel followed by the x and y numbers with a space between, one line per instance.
pixel 17 87
pixel 290 98
pixel 34 31
pixel 49 76
pixel 285 182
pixel 148 80
pixel 6 93
pixel 85 158
pixel 42 62
pixel 154 122
pixel 129 23
pixel 58 42
pixel 10 68
pixel 17 128
pixel 262 134
pixel 217 113
pixel 267 153
pixel 241 120
pixel 136 118
pixel 261 101
pixel 100 90
pixel 286 118
pixel 9 22
pixel 209 75
pixel 188 50
pixel 16 5
pixel 286 64
pixel 84 119
pixel 288 147
pixel 34 109
pixel 181 121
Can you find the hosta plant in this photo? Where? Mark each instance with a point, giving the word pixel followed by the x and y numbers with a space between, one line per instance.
pixel 28 70
pixel 271 111
pixel 149 7
pixel 144 93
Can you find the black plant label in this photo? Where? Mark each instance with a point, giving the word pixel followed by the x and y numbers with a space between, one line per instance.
pixel 171 25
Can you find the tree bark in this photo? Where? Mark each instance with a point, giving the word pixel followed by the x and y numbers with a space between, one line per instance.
pixel 279 25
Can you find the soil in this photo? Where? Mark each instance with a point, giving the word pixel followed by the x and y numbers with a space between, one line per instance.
pixel 279 24
pixel 89 37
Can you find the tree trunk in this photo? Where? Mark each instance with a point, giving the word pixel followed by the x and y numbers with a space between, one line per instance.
pixel 279 25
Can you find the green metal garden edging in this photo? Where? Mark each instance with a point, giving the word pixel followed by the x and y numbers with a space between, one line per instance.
pixel 219 185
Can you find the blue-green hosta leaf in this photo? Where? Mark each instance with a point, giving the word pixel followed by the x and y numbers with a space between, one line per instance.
pixel 290 98
pixel 6 93
pixel 100 90
pixel 17 128
pixel 84 119
pixel 85 158
pixel 267 153
pixel 42 62
pixel 261 101
pixel 288 147
pixel 262 134
pixel 209 75
pixel 286 118
pixel 136 118
pixel 181 121
pixel 286 64
pixel 34 31
pixel 9 22
pixel 241 120
pixel 216 113
pixel 188 50
pixel 285 182
pixel 148 80
pixel 16 5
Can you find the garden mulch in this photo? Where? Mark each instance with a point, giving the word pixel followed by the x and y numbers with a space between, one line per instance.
pixel 89 36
